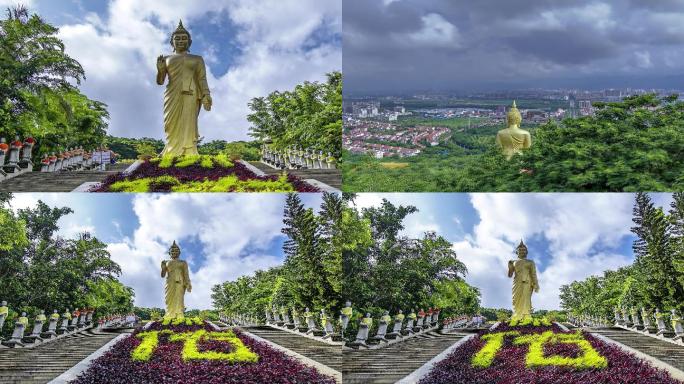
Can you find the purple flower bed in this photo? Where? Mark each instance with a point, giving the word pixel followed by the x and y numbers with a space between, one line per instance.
pixel 196 173
pixel 167 366
pixel 509 367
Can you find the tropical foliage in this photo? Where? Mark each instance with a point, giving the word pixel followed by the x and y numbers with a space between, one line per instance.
pixel 38 92
pixel 133 148
pixel 654 280
pixel 310 276
pixel 385 270
pixel 309 116
pixel 633 145
pixel 41 270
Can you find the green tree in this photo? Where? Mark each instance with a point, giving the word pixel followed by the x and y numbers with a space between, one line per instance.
pixel 309 116
pixel 37 93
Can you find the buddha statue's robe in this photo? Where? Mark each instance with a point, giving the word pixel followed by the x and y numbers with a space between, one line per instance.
pixel 513 140
pixel 524 283
pixel 182 102
pixel 177 282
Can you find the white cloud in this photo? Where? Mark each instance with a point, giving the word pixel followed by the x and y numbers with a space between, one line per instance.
pixel 118 52
pixel 436 32
pixel 643 59
pixel 4 4
pixel 233 230
pixel 573 224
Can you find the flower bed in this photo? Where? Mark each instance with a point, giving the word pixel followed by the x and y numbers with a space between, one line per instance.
pixel 542 354
pixel 199 174
pixel 196 353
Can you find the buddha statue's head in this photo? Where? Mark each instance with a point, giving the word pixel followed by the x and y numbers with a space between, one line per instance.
pixel 174 251
pixel 3 304
pixel 513 118
pixel 521 250
pixel 348 304
pixel 181 39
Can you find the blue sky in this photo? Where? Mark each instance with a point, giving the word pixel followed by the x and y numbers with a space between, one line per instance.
pixel 221 236
pixel 250 48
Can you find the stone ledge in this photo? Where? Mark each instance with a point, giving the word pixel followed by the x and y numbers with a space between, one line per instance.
pixel 322 186
pixel 322 368
pixel 252 168
pixel 421 372
pixel 82 366
pixel 676 373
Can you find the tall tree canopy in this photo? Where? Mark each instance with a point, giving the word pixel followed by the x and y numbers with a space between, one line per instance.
pixel 309 116
pixel 38 92
pixel 41 270
pixel 385 270
pixel 654 280
pixel 311 274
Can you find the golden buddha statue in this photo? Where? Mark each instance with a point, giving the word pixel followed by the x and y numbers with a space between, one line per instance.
pixel 186 91
pixel 524 274
pixel 513 139
pixel 177 282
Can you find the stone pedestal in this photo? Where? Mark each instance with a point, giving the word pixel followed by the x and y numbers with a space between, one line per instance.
pixel 52 329
pixel 361 336
pixel 17 336
pixel 35 334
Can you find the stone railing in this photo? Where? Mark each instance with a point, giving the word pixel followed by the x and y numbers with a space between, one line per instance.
pixel 295 157
pixel 76 159
pixel 589 321
pixel 320 325
pixel 314 324
pixel 402 327
pixel 15 158
pixel 45 329
pixel 644 321
pixel 118 321
pixel 238 320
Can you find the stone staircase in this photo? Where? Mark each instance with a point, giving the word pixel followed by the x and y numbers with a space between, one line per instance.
pixel 45 362
pixel 662 350
pixel 390 364
pixel 57 182
pixel 332 177
pixel 326 354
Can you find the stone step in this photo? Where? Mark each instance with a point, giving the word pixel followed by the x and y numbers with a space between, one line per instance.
pixel 56 182
pixel 326 354
pixel 662 350
pixel 392 363
pixel 332 177
pixel 44 362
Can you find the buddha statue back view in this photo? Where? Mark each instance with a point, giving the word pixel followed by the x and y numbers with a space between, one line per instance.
pixel 513 140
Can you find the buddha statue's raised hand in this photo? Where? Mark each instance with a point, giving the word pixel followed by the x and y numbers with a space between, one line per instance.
pixel 161 63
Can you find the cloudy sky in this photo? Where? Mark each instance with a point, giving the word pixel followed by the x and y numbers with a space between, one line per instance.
pixel 461 45
pixel 251 49
pixel 222 236
pixel 569 236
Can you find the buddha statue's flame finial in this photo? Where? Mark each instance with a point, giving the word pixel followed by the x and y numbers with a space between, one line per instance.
pixel 174 247
pixel 513 117
pixel 521 245
pixel 181 28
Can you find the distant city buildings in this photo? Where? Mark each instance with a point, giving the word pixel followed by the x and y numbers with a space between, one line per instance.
pixel 381 139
